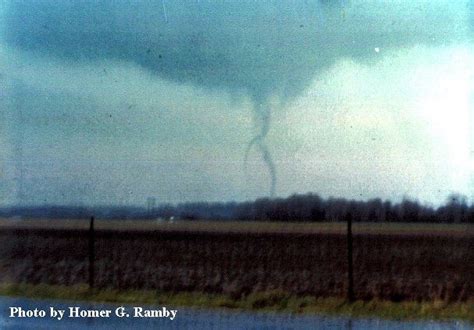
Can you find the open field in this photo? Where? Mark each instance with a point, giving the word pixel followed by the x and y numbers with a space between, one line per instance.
pixel 396 262
pixel 430 229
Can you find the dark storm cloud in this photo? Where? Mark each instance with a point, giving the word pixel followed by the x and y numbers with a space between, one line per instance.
pixel 261 47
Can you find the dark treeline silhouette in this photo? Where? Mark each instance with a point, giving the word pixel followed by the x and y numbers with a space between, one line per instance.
pixel 73 212
pixel 313 208
pixel 309 208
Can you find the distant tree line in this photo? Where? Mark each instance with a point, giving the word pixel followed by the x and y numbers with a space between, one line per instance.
pixel 313 208
pixel 308 208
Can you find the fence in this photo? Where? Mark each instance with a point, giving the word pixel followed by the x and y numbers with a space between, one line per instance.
pixel 395 267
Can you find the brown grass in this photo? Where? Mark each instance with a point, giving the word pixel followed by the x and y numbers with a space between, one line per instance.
pixel 394 262
pixel 429 229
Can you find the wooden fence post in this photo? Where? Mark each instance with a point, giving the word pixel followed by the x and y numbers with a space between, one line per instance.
pixel 350 271
pixel 91 253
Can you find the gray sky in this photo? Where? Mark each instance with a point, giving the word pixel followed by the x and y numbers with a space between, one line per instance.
pixel 111 102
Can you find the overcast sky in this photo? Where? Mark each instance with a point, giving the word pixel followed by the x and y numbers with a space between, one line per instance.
pixel 111 102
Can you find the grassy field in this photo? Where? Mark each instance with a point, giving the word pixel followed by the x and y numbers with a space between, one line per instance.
pixel 462 230
pixel 422 266
pixel 273 301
